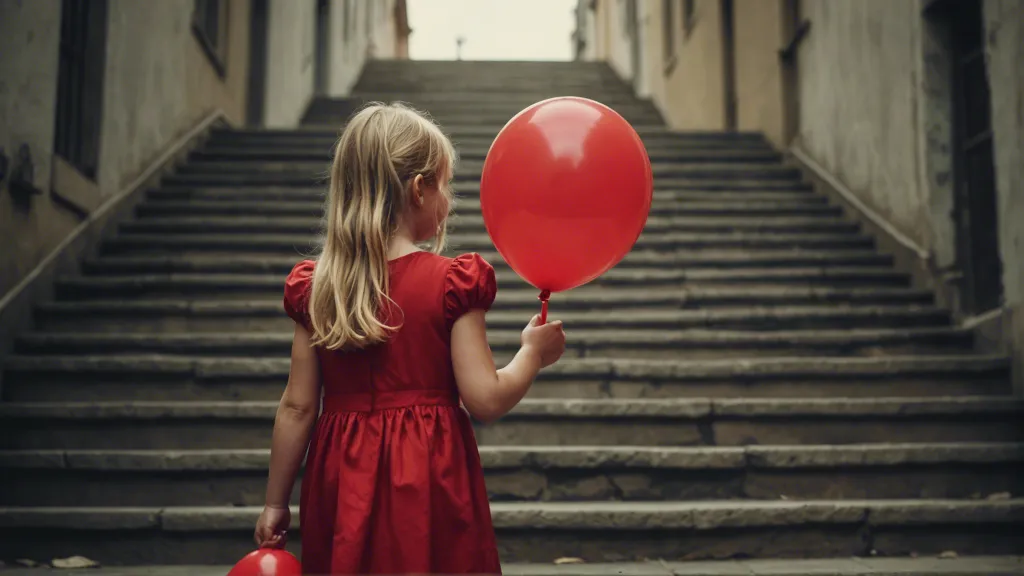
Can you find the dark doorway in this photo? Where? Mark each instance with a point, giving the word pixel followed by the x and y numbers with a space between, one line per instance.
pixel 729 65
pixel 974 201
pixel 257 63
pixel 83 40
pixel 323 49
pixel 634 42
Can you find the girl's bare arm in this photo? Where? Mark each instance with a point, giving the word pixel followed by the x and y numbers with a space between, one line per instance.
pixel 293 424
pixel 488 393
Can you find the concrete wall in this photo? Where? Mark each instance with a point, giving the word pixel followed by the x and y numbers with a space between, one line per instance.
pixel 370 34
pixel 158 83
pixel 858 94
pixel 759 31
pixel 291 45
pixel 28 88
pixel 1004 20
pixel 687 89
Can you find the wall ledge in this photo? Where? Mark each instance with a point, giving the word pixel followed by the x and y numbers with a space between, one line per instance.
pixel 17 307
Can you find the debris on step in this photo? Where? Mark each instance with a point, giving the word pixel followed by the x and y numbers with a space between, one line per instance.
pixel 27 563
pixel 913 554
pixel 999 496
pixel 74 562
pixel 568 560
pixel 948 555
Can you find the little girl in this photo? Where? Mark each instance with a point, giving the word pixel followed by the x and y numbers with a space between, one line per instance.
pixel 392 338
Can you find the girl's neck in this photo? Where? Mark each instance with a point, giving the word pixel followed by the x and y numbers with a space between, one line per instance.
pixel 401 245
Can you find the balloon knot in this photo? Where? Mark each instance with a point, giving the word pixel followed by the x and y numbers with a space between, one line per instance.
pixel 545 295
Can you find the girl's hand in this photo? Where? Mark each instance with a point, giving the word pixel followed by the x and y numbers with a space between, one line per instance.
pixel 545 340
pixel 272 527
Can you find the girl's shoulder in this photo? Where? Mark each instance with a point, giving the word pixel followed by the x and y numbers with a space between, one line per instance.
pixel 297 286
pixel 470 284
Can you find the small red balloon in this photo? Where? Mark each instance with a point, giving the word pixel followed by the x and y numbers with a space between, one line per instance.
pixel 565 192
pixel 267 562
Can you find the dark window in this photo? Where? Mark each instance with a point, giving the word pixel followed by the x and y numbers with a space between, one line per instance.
pixel 668 31
pixel 689 13
pixel 974 174
pixel 83 31
pixel 209 23
pixel 323 55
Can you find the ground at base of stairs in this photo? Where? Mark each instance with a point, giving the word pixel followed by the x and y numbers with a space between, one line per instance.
pixel 970 566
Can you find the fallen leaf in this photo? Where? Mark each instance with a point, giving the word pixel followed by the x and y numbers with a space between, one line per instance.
pixel 75 562
pixel 569 560
pixel 949 555
pixel 999 496
pixel 26 562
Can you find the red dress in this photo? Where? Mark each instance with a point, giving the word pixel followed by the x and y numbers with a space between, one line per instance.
pixel 393 482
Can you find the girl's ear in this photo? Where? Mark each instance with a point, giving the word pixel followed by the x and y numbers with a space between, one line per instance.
pixel 417 189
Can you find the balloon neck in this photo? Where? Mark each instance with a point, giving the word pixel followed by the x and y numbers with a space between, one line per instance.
pixel 545 295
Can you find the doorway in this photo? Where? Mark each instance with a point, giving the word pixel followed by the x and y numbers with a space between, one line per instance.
pixel 635 48
pixel 82 59
pixel 974 196
pixel 257 63
pixel 323 49
pixel 729 65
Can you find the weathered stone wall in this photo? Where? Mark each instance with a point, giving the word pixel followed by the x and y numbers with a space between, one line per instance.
pixel 371 34
pixel 1004 20
pixel 858 104
pixel 158 83
pixel 291 46
pixel 28 87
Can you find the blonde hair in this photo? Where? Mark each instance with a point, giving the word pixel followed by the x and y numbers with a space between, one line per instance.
pixel 382 149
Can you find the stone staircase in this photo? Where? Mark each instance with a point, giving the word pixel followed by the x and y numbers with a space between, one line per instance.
pixel 755 380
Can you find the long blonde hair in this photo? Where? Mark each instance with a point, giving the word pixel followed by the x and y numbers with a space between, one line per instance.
pixel 382 149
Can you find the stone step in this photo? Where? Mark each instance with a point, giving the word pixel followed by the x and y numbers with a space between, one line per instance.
pixel 444 116
pixel 537 87
pixel 142 316
pixel 472 154
pixel 723 178
pixel 479 139
pixel 668 244
pixel 591 297
pixel 915 566
pixel 216 282
pixel 176 425
pixel 469 170
pixel 542 473
pixel 474 224
pixel 616 284
pixel 545 531
pixel 470 196
pixel 582 343
pixel 696 264
pixel 469 209
pixel 456 101
pixel 332 132
pixel 177 378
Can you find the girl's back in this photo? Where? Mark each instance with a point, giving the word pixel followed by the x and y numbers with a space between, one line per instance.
pixel 393 481
pixel 428 293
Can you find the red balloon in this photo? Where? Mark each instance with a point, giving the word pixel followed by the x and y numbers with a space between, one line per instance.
pixel 267 562
pixel 565 192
